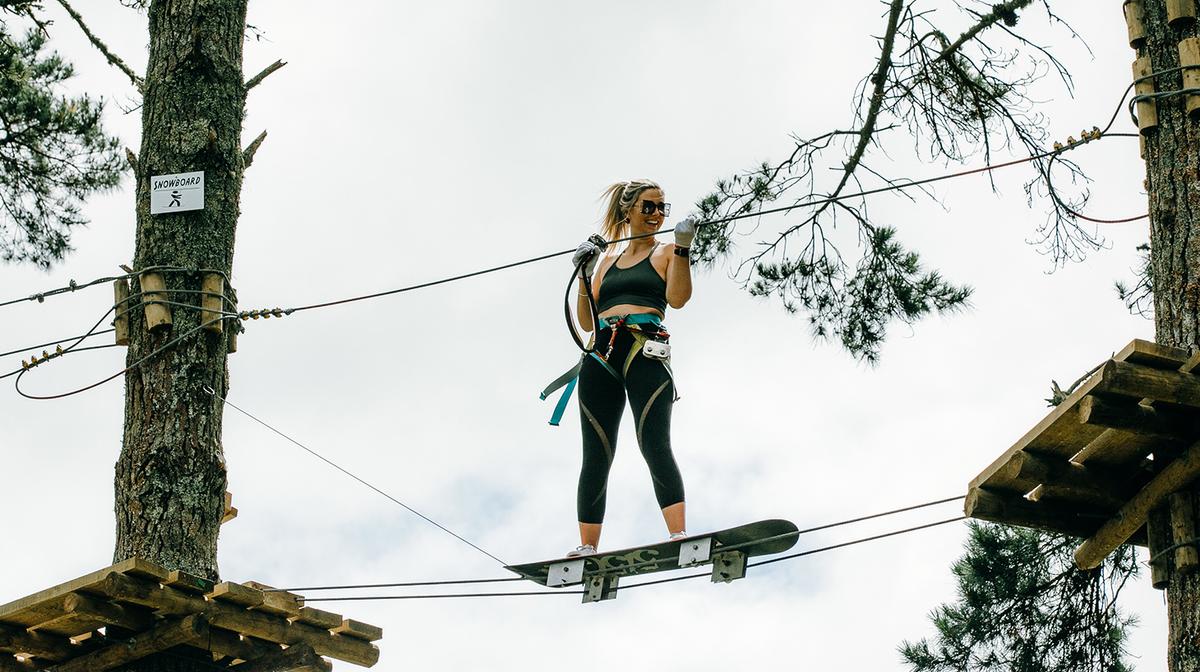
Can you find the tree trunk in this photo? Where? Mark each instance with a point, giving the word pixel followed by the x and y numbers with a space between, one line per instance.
pixel 170 478
pixel 1172 162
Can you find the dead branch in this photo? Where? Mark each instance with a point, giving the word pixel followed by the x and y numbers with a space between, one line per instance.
pixel 115 60
pixel 248 153
pixel 257 79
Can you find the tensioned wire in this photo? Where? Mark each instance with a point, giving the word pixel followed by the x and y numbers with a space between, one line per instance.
pixel 724 220
pixel 357 598
pixel 412 584
pixel 468 542
pixel 543 257
pixel 357 478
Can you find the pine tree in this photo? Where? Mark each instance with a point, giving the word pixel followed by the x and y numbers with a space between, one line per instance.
pixel 54 152
pixel 1023 607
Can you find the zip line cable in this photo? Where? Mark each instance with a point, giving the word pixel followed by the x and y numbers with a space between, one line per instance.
pixel 73 286
pixel 1053 154
pixel 410 584
pixel 351 475
pixel 358 598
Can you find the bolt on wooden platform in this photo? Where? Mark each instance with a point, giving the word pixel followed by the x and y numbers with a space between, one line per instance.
pixel 1113 450
pixel 249 627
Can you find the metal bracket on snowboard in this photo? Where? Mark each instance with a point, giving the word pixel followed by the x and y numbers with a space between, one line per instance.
pixel 728 566
pixel 600 587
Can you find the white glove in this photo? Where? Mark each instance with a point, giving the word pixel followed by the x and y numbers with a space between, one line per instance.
pixel 591 252
pixel 685 231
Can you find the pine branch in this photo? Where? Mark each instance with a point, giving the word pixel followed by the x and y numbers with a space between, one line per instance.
pixel 115 60
pixel 257 79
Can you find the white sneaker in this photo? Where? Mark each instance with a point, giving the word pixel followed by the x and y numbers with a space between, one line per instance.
pixel 678 535
pixel 580 551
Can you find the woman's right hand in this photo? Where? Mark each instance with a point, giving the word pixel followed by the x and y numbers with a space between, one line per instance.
pixel 588 250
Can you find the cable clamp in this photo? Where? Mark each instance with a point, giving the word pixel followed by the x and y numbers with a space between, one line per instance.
pixel 210 391
pixel 265 313
pixel 1084 136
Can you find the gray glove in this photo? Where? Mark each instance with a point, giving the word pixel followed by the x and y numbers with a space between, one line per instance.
pixel 685 231
pixel 590 251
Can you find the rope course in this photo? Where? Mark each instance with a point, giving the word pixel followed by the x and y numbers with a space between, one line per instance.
pixel 137 300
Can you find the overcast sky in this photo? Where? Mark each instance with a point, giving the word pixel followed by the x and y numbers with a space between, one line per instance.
pixel 413 141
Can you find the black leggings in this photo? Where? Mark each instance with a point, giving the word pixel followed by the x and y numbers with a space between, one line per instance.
pixel 601 404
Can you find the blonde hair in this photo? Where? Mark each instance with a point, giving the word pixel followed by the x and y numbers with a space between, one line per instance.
pixel 621 197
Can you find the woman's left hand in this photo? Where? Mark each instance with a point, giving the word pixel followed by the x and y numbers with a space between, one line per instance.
pixel 685 231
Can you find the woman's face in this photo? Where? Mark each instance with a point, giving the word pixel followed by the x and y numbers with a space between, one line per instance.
pixel 639 220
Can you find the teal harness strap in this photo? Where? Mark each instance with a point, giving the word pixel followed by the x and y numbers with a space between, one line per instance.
pixel 571 377
pixel 561 406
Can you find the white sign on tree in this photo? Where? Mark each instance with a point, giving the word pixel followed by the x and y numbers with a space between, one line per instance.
pixel 176 193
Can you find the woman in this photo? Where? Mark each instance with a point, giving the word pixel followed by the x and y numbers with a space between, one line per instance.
pixel 632 289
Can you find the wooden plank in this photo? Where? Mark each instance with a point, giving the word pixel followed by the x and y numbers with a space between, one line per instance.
pixel 132 618
pixel 254 623
pixel 40 645
pixel 236 593
pixel 985 505
pixel 1115 449
pixel 1173 477
pixel 280 604
pixel 164 636
pixel 1030 468
pixel 188 583
pixel 298 657
pixel 1132 380
pixel 359 630
pixel 1138 418
pixel 326 620
pixel 231 644
pixel 1099 502
pixel 40 606
pixel 275 601
pixel 1149 353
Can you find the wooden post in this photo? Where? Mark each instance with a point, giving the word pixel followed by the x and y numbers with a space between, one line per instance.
pixel 1134 18
pixel 1181 13
pixel 212 302
pixel 154 291
pixel 1189 58
pixel 1147 111
pixel 121 310
pixel 1133 515
pixel 1158 533
pixel 1183 531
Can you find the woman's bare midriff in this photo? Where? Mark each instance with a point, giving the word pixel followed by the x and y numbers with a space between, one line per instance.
pixel 628 309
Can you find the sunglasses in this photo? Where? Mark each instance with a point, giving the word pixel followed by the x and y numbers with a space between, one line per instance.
pixel 648 208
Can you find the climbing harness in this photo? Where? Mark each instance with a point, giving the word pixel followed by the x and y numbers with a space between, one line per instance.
pixel 650 339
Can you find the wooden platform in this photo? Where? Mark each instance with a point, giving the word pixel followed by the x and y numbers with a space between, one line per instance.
pixel 1082 466
pixel 133 609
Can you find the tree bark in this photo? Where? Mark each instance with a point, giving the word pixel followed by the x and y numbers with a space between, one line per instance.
pixel 170 477
pixel 1172 163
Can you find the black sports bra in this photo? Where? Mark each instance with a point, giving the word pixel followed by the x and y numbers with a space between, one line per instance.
pixel 638 285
